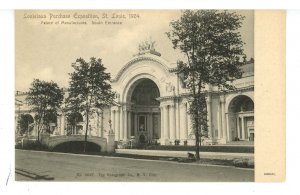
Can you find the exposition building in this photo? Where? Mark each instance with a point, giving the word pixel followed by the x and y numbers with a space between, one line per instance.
pixel 152 106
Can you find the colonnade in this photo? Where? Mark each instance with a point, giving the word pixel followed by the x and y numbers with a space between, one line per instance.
pixel 124 122
pixel 241 119
pixel 175 122
pixel 121 118
pixel 221 118
pixel 96 123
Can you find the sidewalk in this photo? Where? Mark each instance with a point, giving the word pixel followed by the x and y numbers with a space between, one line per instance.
pixel 208 155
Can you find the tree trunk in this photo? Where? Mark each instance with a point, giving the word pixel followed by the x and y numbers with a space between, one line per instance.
pixel 38 129
pixel 86 130
pixel 197 135
pixel 199 104
pixel 196 116
pixel 38 135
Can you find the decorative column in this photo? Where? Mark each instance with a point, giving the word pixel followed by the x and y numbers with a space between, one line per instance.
pixel 162 125
pixel 62 126
pixel 58 130
pixel 227 127
pixel 112 118
pixel 17 120
pixel 189 121
pixel 101 124
pixel 166 122
pixel 125 124
pixel 117 130
pixel 209 122
pixel 219 117
pixel 98 124
pixel 129 125
pixel 183 122
pixel 222 100
pixel 243 128
pixel 35 129
pixel 238 127
pixel 121 124
pixel 177 111
pixel 172 122
pixel 150 126
pixel 135 124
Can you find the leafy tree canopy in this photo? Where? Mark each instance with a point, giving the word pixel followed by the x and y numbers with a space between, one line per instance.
pixel 44 99
pixel 211 43
pixel 26 122
pixel 89 86
pixel 44 96
pixel 73 118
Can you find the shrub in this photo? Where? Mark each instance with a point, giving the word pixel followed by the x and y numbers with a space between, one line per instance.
pixel 31 145
pixel 185 142
pixel 236 139
pixel 230 149
pixel 244 163
pixel 251 163
pixel 76 147
pixel 123 144
pixel 177 142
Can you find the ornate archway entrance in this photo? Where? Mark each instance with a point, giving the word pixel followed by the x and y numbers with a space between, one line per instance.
pixel 145 111
pixel 241 118
pixel 148 105
pixel 140 85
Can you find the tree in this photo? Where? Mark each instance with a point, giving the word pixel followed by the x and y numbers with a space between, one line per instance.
pixel 50 117
pixel 212 46
pixel 89 89
pixel 44 98
pixel 26 122
pixel 73 118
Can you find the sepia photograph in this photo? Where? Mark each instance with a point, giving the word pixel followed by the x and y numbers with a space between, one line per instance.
pixel 135 95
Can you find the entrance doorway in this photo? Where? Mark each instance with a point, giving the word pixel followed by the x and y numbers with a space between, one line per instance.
pixel 145 111
pixel 241 118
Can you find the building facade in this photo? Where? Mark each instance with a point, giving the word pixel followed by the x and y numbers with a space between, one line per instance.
pixel 152 105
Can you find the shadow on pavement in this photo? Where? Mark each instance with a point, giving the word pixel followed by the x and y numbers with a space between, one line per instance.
pixel 33 176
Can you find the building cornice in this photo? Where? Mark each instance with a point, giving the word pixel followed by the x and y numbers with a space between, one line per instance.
pixel 213 93
pixel 246 74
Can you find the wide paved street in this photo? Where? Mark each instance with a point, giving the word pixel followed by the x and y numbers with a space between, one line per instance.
pixel 33 165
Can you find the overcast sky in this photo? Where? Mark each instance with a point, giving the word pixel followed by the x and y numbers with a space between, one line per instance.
pixel 46 51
